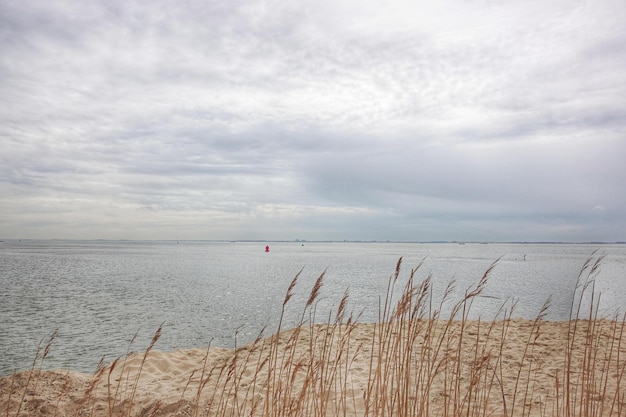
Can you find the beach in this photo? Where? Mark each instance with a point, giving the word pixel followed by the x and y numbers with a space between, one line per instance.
pixel 402 367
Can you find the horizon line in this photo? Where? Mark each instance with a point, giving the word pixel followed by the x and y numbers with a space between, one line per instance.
pixel 538 242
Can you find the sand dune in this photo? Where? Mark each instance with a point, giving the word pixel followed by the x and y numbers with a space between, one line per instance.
pixel 514 367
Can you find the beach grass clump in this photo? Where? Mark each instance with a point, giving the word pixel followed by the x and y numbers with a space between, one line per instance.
pixel 414 361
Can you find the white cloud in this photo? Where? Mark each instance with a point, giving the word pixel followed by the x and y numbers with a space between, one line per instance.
pixel 334 119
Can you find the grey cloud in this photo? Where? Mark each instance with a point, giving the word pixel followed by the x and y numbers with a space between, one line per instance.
pixel 525 179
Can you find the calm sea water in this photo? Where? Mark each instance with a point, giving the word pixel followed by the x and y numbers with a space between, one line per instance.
pixel 98 295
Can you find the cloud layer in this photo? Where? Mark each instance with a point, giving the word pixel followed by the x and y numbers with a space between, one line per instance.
pixel 314 120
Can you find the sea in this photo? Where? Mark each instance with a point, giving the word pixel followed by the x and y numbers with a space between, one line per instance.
pixel 99 300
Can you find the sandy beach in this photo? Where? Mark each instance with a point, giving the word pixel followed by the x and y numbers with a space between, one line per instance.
pixel 417 367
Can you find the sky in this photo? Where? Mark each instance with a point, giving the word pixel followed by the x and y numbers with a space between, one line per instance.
pixel 473 120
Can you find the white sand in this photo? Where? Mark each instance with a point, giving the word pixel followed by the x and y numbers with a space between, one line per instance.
pixel 325 370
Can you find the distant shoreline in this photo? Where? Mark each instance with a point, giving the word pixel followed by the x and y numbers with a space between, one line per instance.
pixel 433 242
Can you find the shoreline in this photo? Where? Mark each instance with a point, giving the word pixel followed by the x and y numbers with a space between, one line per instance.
pixel 509 366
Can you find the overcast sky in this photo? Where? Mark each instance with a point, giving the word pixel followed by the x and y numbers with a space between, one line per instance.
pixel 496 120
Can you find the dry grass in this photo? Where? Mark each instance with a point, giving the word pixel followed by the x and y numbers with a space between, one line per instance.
pixel 412 362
